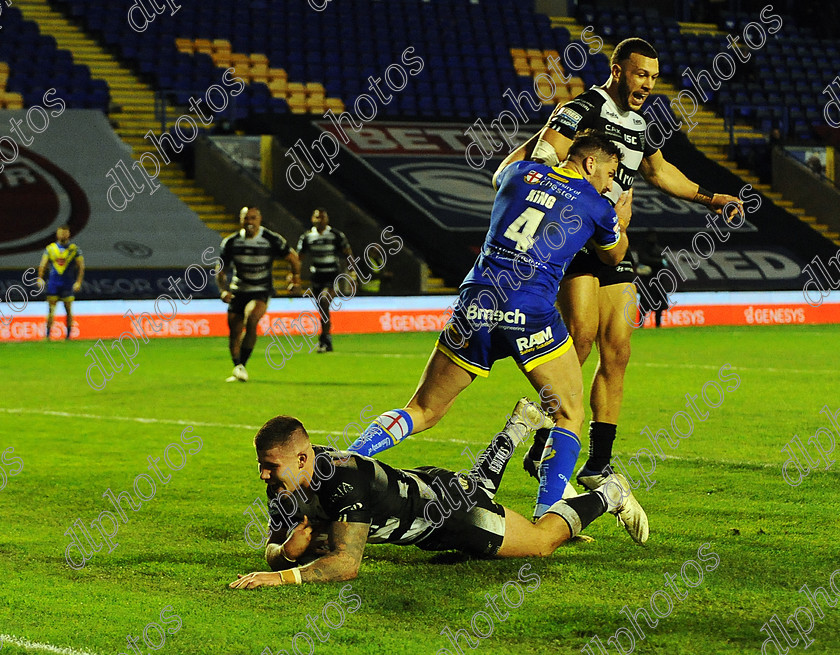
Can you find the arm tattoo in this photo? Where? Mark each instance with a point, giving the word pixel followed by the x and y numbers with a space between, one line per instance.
pixel 342 563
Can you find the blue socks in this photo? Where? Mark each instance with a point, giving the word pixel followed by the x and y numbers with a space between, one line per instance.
pixel 558 462
pixel 386 431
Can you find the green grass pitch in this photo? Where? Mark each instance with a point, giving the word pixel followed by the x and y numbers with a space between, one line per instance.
pixel 722 486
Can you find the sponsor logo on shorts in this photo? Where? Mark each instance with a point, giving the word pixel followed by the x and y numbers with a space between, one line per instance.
pixel 541 338
pixel 479 314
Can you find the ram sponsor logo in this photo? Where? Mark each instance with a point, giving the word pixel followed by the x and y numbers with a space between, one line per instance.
pixel 526 344
pixel 481 315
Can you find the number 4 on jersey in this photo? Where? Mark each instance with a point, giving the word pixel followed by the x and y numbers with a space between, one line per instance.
pixel 522 230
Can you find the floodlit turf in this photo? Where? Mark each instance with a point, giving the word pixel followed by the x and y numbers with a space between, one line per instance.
pixel 721 486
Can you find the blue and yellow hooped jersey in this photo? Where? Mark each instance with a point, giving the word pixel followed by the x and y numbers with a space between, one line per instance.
pixel 541 218
pixel 63 260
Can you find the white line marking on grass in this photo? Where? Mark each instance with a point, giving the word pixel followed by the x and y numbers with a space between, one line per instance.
pixel 166 421
pixel 740 368
pixel 35 645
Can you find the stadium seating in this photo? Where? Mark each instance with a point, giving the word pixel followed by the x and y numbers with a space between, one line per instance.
pixel 33 64
pixel 779 86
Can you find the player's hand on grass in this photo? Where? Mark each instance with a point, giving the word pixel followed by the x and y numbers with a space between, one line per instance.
pixel 256 579
pixel 720 200
pixel 623 209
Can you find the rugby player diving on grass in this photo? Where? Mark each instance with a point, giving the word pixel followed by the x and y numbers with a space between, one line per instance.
pixel 542 216
pixel 348 500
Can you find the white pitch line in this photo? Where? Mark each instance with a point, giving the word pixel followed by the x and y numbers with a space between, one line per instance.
pixel 739 368
pixel 165 421
pixel 35 645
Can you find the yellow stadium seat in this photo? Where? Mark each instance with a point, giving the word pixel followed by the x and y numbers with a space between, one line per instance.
pixel 237 57
pixel 536 64
pixel 297 87
pixel 259 73
pixel 521 66
pixel 517 52
pixel 222 45
pixel 562 94
pixel 13 101
pixel 184 45
pixel 278 74
pixel 533 52
pixel 203 43
pixel 335 104
pixel 545 90
pixel 278 88
pixel 221 59
pixel 259 58
pixel 242 69
pixel 316 105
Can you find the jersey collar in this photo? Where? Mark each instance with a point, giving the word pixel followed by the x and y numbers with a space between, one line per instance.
pixel 567 172
pixel 244 235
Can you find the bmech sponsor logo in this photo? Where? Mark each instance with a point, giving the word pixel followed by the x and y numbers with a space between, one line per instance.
pixel 481 315
pixel 36 197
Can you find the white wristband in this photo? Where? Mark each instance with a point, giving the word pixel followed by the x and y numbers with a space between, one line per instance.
pixel 291 576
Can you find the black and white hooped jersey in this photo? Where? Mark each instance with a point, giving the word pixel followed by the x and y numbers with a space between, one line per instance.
pixel 364 490
pixel 596 110
pixel 325 249
pixel 252 259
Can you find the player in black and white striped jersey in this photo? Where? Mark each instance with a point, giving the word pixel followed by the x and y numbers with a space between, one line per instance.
pixel 326 248
pixel 250 252
pixel 347 500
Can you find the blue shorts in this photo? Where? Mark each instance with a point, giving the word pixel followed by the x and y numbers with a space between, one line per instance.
pixel 484 328
pixel 58 287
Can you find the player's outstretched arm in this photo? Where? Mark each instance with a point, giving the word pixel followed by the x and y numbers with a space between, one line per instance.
pixel 347 544
pixel 665 176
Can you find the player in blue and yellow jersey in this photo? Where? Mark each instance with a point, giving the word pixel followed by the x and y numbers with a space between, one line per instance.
pixel 66 272
pixel 542 216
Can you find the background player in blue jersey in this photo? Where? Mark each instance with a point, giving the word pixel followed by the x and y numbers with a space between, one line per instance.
pixel 541 217
pixel 325 505
pixel 66 273
pixel 595 298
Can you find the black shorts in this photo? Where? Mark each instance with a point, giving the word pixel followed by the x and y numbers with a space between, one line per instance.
pixel 321 281
pixel 241 299
pixel 586 262
pixel 477 531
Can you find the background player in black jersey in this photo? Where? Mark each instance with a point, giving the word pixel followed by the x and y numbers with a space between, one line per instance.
pixel 355 500
pixel 326 248
pixel 251 253
pixel 593 296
